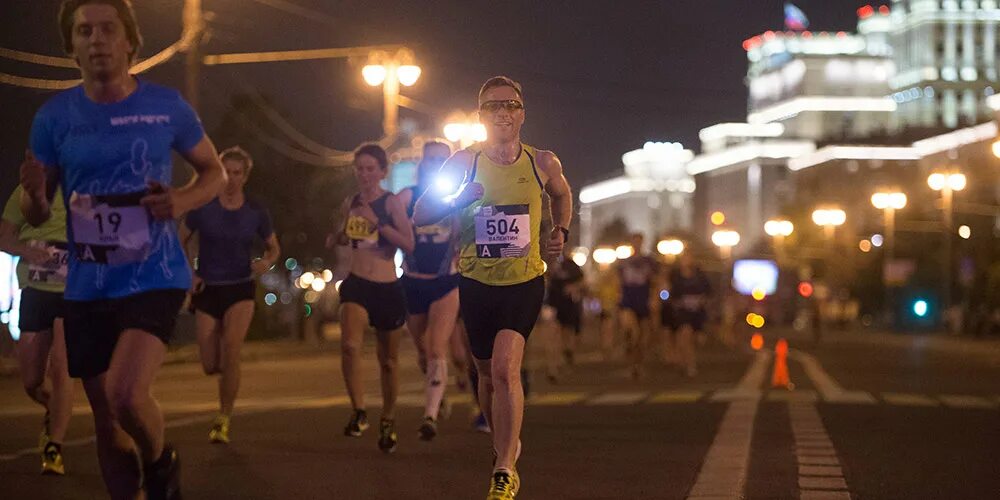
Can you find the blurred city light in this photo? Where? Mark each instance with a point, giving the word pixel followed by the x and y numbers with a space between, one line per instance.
pixel 318 285
pixel 307 278
pixel 670 247
pixel 778 227
pixel 579 256
pixel 718 218
pixel 758 294
pixel 996 148
pixel 327 275
pixel 311 296
pixel 920 308
pixel 725 238
pixel 884 200
pixel 374 74
pixel 965 232
pixel 270 299
pixel 664 295
pixel 757 341
pixel 291 263
pixel 336 286
pixel 408 74
pixel 865 246
pixel 605 256
pixel 953 181
pixel 877 240
pixel 829 217
pixel 624 252
pixel 805 289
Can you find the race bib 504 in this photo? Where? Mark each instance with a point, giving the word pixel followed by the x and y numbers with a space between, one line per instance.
pixel 503 231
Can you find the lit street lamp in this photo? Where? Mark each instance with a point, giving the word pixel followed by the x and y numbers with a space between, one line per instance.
pixel 464 129
pixel 947 183
pixel 670 248
pixel 725 239
pixel 390 72
pixel 829 219
pixel 889 202
pixel 779 229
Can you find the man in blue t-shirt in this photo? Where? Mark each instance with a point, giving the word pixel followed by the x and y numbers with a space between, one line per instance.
pixel 107 143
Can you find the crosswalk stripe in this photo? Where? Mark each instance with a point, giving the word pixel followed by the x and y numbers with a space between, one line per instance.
pixel 851 397
pixel 907 399
pixel 820 470
pixel 797 396
pixel 618 398
pixel 736 395
pixel 958 401
pixel 676 397
pixel 557 398
pixel 822 483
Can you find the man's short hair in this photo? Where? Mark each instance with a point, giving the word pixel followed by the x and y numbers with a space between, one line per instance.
pixel 500 81
pixel 125 12
pixel 430 144
pixel 239 154
pixel 375 151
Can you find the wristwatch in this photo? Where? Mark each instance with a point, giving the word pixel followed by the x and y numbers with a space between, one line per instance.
pixel 565 232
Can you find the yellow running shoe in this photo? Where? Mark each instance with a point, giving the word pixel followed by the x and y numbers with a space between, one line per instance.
pixel 52 460
pixel 504 485
pixel 220 430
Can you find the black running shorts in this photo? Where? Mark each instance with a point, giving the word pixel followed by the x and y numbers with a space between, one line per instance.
pixel 215 300
pixel 384 302
pixel 93 326
pixel 39 310
pixel 421 293
pixel 487 309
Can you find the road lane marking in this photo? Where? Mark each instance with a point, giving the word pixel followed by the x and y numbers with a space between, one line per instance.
pixel 557 398
pixel 796 395
pixel 829 389
pixel 907 399
pixel 819 468
pixel 824 495
pixel 676 397
pixel 724 470
pixel 618 398
pixel 960 401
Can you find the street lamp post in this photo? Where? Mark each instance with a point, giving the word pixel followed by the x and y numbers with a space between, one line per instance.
pixel 725 239
pixel 888 202
pixel 779 229
pixel 947 183
pixel 670 248
pixel 464 129
pixel 390 72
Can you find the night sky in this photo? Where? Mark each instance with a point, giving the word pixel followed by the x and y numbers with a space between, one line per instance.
pixel 600 77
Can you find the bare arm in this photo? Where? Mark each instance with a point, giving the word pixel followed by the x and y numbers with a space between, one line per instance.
pixel 431 209
pixel 400 231
pixel 209 179
pixel 11 243
pixel 562 199
pixel 272 250
pixel 39 185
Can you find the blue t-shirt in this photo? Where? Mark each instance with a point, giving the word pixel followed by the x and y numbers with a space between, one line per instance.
pixel 105 154
pixel 225 240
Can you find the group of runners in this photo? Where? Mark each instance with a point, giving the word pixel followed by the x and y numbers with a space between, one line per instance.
pixel 107 249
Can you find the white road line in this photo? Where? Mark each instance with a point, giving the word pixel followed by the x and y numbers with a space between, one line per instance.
pixel 828 388
pixel 820 475
pixel 723 473
pixel 618 398
pixel 961 401
pixel 907 399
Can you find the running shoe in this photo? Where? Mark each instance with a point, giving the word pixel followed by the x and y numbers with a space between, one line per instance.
pixel 387 439
pixel 504 485
pixel 162 479
pixel 220 430
pixel 428 429
pixel 358 424
pixel 52 460
pixel 480 424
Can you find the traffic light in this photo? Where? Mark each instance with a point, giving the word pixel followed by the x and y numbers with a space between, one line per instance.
pixel 805 289
pixel 920 308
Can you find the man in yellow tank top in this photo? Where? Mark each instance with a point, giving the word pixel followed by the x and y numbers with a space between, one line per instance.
pixel 501 289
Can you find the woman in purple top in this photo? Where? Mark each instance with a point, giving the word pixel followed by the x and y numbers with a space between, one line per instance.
pixel 222 290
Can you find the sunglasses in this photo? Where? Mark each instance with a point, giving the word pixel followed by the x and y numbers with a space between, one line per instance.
pixel 510 105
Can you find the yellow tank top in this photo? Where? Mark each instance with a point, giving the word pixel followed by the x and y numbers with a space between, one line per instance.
pixel 500 232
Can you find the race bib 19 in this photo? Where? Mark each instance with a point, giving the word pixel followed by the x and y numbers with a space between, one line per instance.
pixel 503 231
pixel 110 229
pixel 53 270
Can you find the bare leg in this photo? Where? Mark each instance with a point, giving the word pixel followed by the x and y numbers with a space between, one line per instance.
pixel 209 332
pixel 416 324
pixel 61 398
pixel 485 388
pixel 508 396
pixel 32 357
pixel 115 449
pixel 353 321
pixel 685 348
pixel 441 323
pixel 235 324
pixel 134 364
pixel 459 356
pixel 388 360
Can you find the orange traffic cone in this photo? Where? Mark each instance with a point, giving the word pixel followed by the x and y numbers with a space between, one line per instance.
pixel 780 378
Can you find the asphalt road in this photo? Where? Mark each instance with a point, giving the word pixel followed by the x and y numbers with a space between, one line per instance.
pixel 870 417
